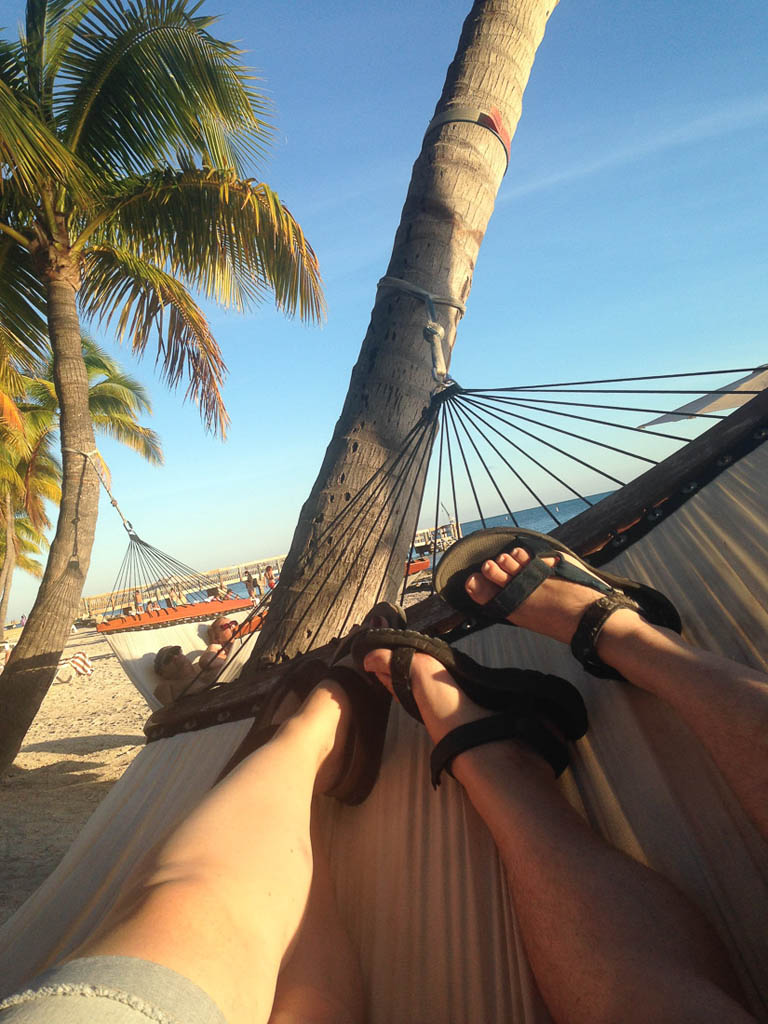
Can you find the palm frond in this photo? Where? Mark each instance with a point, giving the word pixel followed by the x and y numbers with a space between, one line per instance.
pixel 30 538
pixel 117 383
pixel 131 434
pixel 10 481
pixel 9 412
pixel 232 240
pixel 12 381
pixel 112 397
pixel 146 299
pixel 30 152
pixel 31 566
pixel 55 23
pixel 40 409
pixel 194 92
pixel 22 305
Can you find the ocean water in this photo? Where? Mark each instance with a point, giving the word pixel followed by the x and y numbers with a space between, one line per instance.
pixel 542 519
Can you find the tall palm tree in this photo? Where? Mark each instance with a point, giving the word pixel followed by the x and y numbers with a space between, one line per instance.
pixel 33 474
pixel 165 121
pixel 450 199
pixel 30 476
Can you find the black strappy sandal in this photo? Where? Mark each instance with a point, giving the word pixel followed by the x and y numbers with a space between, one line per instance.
pixel 369 706
pixel 468 555
pixel 523 696
pixel 391 616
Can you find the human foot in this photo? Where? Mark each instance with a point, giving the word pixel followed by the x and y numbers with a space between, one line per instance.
pixel 526 578
pixel 351 764
pixel 555 608
pixel 457 724
pixel 383 615
pixel 522 691
pixel 519 576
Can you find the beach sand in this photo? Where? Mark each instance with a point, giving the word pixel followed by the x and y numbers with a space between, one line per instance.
pixel 84 737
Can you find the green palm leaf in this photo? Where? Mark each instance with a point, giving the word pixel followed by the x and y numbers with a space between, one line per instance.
pixel 190 86
pixel 131 434
pixel 30 152
pixel 145 298
pixel 232 240
pixel 22 325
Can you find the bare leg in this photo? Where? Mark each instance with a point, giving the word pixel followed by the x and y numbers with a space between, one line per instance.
pixel 222 899
pixel 321 981
pixel 608 939
pixel 724 703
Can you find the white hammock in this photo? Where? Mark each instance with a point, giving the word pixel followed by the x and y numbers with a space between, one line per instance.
pixel 135 649
pixel 418 879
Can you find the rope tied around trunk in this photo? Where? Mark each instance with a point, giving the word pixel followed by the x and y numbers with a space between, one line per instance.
pixel 434 332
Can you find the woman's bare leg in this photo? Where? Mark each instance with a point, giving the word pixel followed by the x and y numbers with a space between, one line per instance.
pixel 608 939
pixel 724 703
pixel 222 900
pixel 321 982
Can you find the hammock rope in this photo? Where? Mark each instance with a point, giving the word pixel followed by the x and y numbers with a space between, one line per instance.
pixel 478 438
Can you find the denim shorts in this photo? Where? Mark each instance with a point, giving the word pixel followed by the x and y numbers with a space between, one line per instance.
pixel 110 990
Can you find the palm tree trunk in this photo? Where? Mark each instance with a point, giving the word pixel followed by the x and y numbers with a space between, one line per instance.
pixel 450 199
pixel 35 658
pixel 9 563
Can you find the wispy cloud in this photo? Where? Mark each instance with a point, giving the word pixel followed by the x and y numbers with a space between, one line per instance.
pixel 721 122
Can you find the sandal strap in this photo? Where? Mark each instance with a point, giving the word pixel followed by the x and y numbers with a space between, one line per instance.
pixel 400 669
pixel 507 725
pixel 588 630
pixel 533 574
pixel 497 689
pixel 518 589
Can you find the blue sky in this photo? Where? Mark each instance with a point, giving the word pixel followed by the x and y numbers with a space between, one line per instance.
pixel 629 236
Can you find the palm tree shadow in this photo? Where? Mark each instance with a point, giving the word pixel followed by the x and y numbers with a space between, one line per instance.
pixel 60 773
pixel 83 744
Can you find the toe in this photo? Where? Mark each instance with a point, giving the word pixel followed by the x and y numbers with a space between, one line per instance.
pixel 493 571
pixel 377 662
pixel 512 562
pixel 480 589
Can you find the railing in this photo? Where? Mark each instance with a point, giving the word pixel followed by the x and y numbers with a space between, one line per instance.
pixel 96 604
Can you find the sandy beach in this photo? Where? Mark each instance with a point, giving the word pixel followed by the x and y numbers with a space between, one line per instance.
pixel 84 737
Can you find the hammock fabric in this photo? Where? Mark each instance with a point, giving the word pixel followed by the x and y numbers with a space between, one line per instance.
pixel 419 883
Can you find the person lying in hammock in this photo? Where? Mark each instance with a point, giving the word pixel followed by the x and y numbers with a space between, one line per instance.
pixel 222 634
pixel 232 917
pixel 180 674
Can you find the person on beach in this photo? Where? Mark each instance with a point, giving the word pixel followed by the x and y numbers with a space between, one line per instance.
pixel 232 917
pixel 222 634
pixel 249 585
pixel 179 674
pixel 269 577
